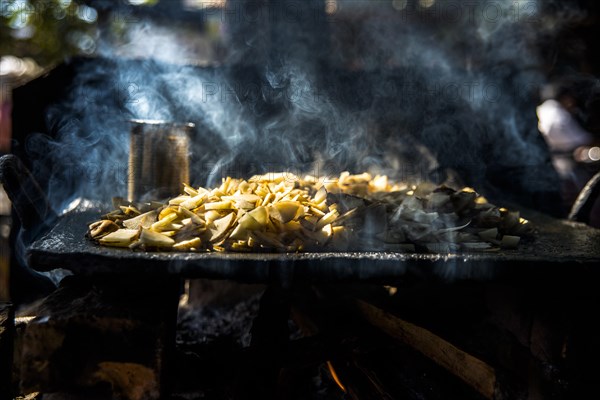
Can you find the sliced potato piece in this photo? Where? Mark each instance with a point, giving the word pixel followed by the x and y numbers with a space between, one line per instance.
pixel 321 195
pixel 130 210
pixel 194 243
pixel 328 218
pixel 322 236
pixel 193 202
pixel 191 215
pixel 144 220
pixel 437 200
pixel 249 223
pixel 120 238
pixel 511 220
pixel 260 214
pixel 243 247
pixel 178 200
pixel 292 226
pixel 350 211
pixel 489 234
pixel 239 233
pixel 510 242
pixel 154 239
pixel 318 213
pixel 102 228
pixel 190 190
pixel 221 227
pixel 167 211
pixel 249 197
pixel 285 211
pixel 424 189
pixel 268 239
pixel 218 205
pixel 159 225
pixel 211 215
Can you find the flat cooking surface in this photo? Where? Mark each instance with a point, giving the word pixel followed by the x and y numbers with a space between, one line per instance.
pixel 558 244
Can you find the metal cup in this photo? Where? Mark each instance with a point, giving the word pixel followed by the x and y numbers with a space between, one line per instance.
pixel 158 159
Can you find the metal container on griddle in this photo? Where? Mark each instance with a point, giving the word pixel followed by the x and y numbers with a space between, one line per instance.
pixel 158 159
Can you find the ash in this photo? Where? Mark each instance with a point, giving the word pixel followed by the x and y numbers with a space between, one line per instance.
pixel 213 329
pixel 203 325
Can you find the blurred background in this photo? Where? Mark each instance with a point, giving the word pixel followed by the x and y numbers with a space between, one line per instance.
pixel 556 40
pixel 561 35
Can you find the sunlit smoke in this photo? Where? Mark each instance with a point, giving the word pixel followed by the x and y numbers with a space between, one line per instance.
pixel 433 94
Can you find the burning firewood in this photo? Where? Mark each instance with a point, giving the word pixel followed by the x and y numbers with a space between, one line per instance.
pixel 281 212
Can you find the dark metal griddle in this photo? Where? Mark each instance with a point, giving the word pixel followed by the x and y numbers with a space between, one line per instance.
pixel 559 246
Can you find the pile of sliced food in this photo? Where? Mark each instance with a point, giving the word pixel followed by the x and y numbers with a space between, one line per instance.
pixel 282 212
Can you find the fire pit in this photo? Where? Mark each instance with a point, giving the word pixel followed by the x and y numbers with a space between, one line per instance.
pixel 507 324
pixel 561 249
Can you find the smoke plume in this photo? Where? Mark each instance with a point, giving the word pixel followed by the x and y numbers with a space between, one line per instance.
pixel 416 89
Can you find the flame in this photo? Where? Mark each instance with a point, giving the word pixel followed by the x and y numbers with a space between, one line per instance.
pixel 335 376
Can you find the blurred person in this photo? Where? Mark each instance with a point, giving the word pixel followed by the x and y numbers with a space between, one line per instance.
pixel 575 149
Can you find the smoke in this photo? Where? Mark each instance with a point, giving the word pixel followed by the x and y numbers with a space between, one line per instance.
pixel 417 90
pixel 479 70
pixel 441 90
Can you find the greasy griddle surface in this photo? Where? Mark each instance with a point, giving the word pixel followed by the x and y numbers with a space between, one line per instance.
pixel 557 244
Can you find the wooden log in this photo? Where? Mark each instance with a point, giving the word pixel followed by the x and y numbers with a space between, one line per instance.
pixel 6 349
pixel 355 380
pixel 21 323
pixel 476 373
pixel 118 335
